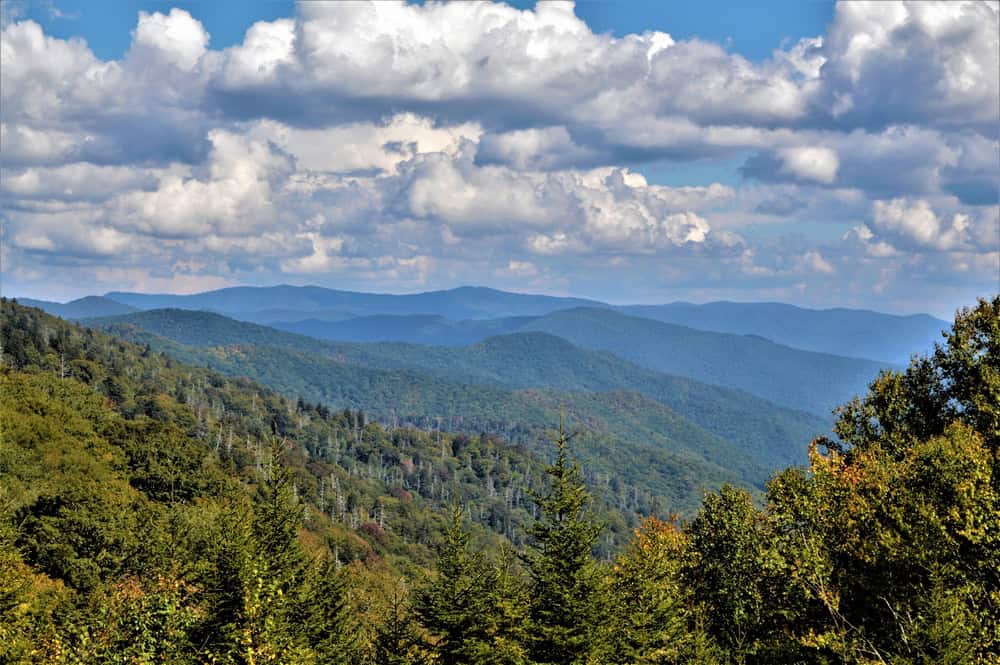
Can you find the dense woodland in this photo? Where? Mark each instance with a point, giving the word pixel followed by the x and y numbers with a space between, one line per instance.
pixel 157 512
pixel 668 437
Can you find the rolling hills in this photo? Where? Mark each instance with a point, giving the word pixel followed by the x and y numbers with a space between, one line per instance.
pixel 754 364
pixel 845 332
pixel 466 381
pixel 623 435
pixel 748 363
pixel 466 302
pixel 82 308
pixel 454 317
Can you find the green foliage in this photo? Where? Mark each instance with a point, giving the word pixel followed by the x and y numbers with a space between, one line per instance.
pixel 155 512
pixel 653 618
pixel 566 602
pixel 473 608
pixel 506 385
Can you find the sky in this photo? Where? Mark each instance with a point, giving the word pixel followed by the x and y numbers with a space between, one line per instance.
pixel 823 154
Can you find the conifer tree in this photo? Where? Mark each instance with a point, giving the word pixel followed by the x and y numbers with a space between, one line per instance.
pixel 507 603
pixel 454 606
pixel 324 616
pixel 397 638
pixel 566 605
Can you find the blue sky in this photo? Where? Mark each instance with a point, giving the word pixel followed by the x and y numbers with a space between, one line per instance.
pixel 822 154
pixel 753 30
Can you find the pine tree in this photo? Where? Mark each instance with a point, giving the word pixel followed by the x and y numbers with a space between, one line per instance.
pixel 325 618
pixel 454 606
pixel 507 603
pixel 566 605
pixel 398 639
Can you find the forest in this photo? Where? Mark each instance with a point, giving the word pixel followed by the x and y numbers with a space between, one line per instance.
pixel 154 511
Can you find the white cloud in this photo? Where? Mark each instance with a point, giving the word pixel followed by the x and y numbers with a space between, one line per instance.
pixel 384 140
pixel 233 198
pixel 810 163
pixel 916 223
pixel 176 39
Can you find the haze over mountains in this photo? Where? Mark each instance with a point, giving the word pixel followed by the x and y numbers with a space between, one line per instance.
pixel 638 424
pixel 646 380
pixel 469 314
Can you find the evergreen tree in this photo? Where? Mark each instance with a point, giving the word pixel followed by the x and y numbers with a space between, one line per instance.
pixel 324 616
pixel 397 638
pixel 454 606
pixel 566 607
pixel 508 605
pixel 654 618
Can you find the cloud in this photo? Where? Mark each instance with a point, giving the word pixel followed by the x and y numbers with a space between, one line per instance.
pixel 915 223
pixel 175 39
pixel 810 163
pixel 434 143
pixel 234 197
pixel 928 63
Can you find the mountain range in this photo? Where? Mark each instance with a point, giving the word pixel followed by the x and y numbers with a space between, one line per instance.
pixel 660 401
pixel 469 314
pixel 748 363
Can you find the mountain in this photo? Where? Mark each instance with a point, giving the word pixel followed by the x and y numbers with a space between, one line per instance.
pixel 269 317
pixel 745 362
pixel 415 328
pixel 465 302
pixel 304 309
pixel 437 381
pixel 754 364
pixel 83 308
pixel 623 435
pixel 847 332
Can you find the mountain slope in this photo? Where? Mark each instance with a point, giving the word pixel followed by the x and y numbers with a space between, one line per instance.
pixel 846 332
pixel 465 302
pixel 756 365
pixel 768 434
pixel 415 328
pixel 82 308
pixel 624 436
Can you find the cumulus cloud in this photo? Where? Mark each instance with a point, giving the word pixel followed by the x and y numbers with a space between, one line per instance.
pixel 916 223
pixel 810 163
pixel 428 143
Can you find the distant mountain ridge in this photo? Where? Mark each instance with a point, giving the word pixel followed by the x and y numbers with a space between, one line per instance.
pixel 466 302
pixel 82 308
pixel 746 362
pixel 468 314
pixel 749 363
pixel 522 361
pixel 846 332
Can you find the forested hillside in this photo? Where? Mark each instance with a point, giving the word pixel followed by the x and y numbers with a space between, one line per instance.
pixel 82 308
pixel 465 302
pixel 429 329
pixel 157 512
pixel 463 386
pixel 754 365
pixel 128 476
pixel 624 436
pixel 846 332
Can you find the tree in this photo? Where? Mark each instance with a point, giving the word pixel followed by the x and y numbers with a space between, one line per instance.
pixel 454 606
pixel 893 536
pixel 730 569
pixel 654 618
pixel 397 638
pixel 566 605
pixel 324 616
